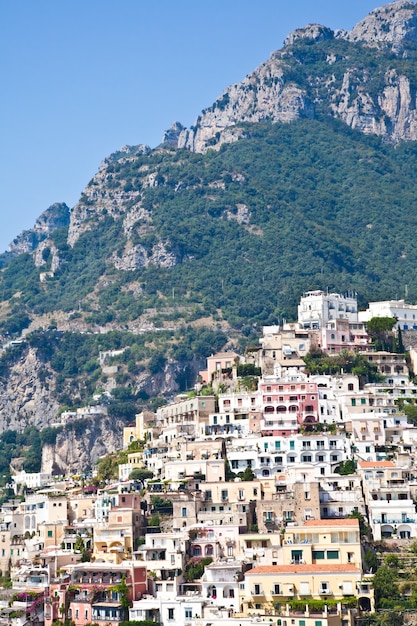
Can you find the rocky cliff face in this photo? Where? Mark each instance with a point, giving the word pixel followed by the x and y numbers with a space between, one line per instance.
pixel 57 216
pixel 75 452
pixel 27 393
pixel 288 86
pixel 392 25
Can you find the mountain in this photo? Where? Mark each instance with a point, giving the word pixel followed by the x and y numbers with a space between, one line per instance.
pixel 365 77
pixel 302 176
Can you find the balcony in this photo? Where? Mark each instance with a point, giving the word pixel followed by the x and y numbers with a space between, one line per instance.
pixel 257 591
pixel 406 520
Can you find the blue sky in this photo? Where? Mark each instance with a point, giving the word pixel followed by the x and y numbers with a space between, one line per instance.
pixel 81 78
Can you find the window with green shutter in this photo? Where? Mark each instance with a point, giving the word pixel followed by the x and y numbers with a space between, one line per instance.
pixel 318 554
pixel 332 554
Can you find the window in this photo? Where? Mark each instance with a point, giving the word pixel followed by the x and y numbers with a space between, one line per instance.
pixel 235 464
pixel 353 401
pixel 224 495
pixel 332 554
pixel 188 613
pixel 171 614
pixel 318 554
pixel 292 445
pixel 363 400
pixel 277 590
pixel 184 511
pixel 49 533
pixel 277 445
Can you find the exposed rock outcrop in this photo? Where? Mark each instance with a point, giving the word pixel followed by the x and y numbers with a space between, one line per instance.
pixel 26 393
pixel 276 90
pixel 78 446
pixel 56 216
pixel 263 95
pixel 390 25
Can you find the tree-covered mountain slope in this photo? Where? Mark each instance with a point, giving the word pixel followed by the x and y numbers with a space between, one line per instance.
pixel 235 234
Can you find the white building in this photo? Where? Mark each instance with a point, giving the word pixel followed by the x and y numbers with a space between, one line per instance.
pixel 388 497
pixel 406 314
pixel 317 308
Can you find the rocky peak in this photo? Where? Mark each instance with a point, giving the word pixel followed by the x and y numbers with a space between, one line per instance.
pixel 290 85
pixel 56 216
pixel 315 32
pixel 171 136
pixel 390 25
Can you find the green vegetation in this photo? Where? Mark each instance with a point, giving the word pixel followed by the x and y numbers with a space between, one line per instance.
pixel 308 187
pixel 346 467
pixel 194 568
pixel 380 329
pixel 162 506
pixel 318 362
pixel 140 474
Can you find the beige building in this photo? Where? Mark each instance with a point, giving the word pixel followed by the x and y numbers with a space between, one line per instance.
pixel 189 415
pixel 281 349
pixel 116 538
pixel 292 502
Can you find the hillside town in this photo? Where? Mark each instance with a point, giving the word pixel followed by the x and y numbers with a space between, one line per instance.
pixel 272 493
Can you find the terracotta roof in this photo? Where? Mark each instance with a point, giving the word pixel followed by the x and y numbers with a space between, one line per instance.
pixel 366 464
pixel 303 569
pixel 329 522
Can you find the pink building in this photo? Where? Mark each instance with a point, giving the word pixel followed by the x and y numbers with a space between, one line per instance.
pixel 219 365
pixel 287 405
pixel 341 334
pixel 95 593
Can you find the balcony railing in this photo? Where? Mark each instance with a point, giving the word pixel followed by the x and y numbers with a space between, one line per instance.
pixel 406 520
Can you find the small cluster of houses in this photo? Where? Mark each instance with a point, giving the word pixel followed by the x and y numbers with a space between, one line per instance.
pixel 260 488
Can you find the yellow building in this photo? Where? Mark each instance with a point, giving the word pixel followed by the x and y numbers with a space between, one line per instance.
pixel 267 586
pixel 323 541
pixel 144 421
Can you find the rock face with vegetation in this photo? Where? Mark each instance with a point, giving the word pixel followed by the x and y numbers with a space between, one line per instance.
pixel 365 77
pixel 77 447
pixel 172 254
pixel 57 216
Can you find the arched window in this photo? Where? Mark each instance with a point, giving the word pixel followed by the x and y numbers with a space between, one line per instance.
pixel 269 409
